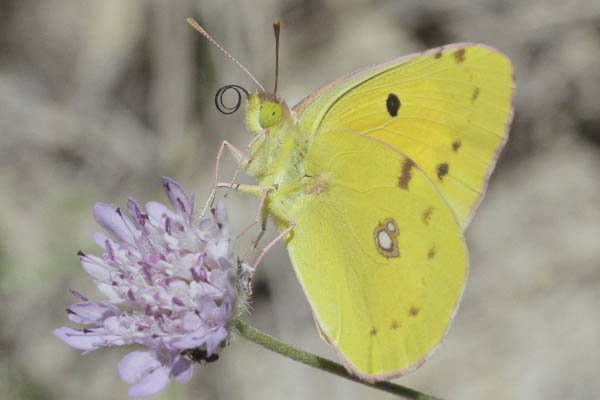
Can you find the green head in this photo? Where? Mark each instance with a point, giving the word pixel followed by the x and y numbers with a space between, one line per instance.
pixel 262 112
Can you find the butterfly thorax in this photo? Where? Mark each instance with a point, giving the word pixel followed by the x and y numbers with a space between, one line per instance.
pixel 277 156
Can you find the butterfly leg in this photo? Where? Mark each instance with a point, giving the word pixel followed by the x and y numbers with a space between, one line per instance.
pixel 259 212
pixel 247 151
pixel 266 249
pixel 237 153
pixel 254 190
pixel 263 229
pixel 242 158
pixel 262 214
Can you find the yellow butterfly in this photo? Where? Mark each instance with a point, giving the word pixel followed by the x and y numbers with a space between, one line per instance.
pixel 373 178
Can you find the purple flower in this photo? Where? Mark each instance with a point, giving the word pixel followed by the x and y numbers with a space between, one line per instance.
pixel 170 285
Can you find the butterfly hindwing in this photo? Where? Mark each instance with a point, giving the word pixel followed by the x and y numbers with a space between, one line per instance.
pixel 378 253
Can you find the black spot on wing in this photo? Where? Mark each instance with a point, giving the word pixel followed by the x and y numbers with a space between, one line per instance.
pixel 393 104
pixel 456 145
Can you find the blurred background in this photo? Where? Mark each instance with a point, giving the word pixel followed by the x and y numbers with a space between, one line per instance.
pixel 99 99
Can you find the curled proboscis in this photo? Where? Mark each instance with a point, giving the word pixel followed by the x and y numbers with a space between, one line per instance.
pixel 224 108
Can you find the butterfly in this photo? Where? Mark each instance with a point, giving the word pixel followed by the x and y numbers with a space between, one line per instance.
pixel 371 181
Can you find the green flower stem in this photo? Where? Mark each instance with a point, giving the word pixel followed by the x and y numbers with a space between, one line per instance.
pixel 313 360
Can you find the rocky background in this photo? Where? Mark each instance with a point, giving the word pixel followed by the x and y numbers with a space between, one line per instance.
pixel 99 99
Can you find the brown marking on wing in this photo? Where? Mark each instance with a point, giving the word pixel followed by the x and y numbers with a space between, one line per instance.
pixel 406 173
pixel 414 311
pixel 427 215
pixel 319 187
pixel 459 56
pixel 431 253
pixel 373 332
pixel 475 94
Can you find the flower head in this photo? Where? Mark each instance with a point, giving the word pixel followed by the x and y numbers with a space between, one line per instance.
pixel 170 285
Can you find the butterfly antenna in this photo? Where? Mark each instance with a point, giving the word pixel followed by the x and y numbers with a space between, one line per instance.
pixel 276 29
pixel 197 27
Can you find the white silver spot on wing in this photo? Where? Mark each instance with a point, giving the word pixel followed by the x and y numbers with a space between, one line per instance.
pixel 386 238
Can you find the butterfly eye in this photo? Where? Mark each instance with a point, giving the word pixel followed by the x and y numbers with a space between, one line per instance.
pixel 270 114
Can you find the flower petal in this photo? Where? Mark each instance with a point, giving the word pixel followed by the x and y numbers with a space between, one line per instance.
pixel 151 384
pixel 182 369
pixel 215 339
pixel 156 212
pixel 134 365
pixel 191 340
pixel 118 225
pixel 191 321
pixel 95 266
pixel 100 239
pixel 89 312
pixel 178 198
pixel 111 292
pixel 83 341
pixel 134 209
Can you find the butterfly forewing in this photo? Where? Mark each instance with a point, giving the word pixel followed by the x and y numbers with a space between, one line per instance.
pixel 447 109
